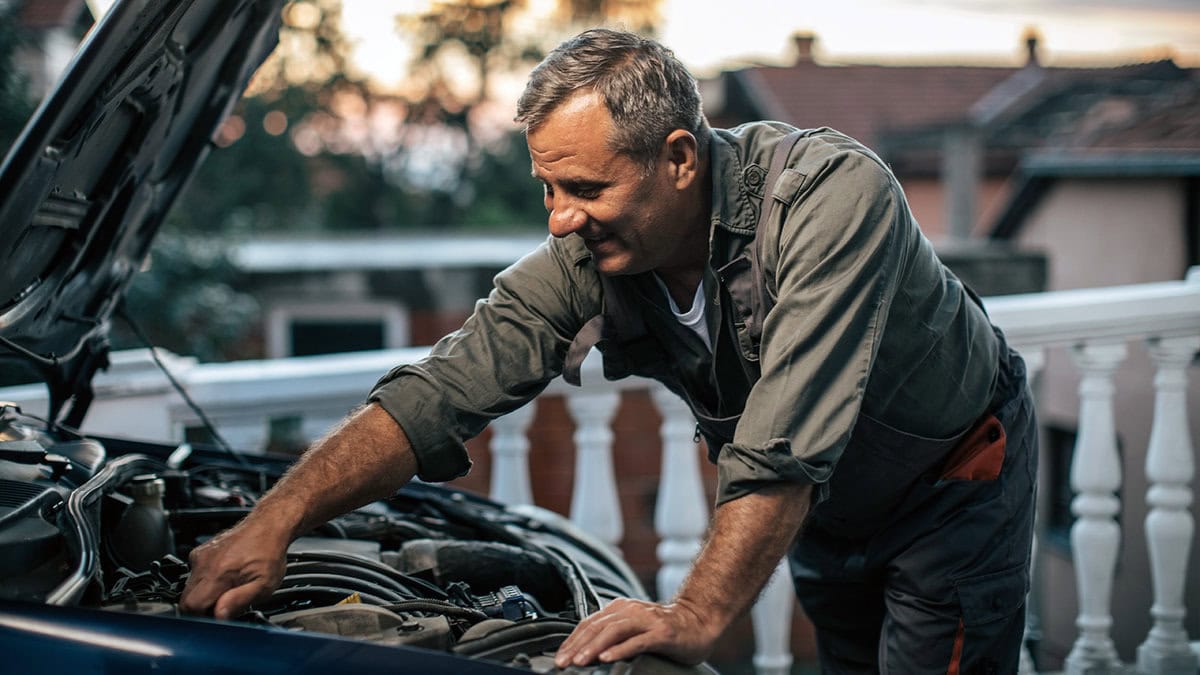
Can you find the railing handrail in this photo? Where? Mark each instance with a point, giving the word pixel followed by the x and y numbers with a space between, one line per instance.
pixel 1033 319
pixel 1165 309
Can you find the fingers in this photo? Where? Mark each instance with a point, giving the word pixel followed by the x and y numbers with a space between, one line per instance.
pixel 230 572
pixel 235 601
pixel 596 634
pixel 197 597
pixel 629 627
pixel 631 647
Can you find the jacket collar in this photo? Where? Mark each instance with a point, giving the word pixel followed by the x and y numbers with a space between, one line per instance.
pixel 732 210
pixel 734 215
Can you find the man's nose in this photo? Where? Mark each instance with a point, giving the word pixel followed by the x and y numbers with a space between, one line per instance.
pixel 565 218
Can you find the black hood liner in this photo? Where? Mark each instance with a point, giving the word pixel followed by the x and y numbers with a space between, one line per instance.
pixel 95 171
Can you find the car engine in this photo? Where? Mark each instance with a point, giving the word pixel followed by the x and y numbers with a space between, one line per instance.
pixel 108 524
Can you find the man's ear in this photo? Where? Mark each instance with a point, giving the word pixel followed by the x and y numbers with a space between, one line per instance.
pixel 682 157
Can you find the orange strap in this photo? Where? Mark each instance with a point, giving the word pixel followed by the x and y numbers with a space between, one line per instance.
pixel 956 655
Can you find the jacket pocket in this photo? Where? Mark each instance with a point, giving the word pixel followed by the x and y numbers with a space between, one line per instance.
pixel 980 453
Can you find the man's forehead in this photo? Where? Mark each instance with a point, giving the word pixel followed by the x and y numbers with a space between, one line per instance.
pixel 580 115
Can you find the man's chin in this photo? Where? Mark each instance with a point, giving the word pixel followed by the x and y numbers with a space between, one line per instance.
pixel 614 266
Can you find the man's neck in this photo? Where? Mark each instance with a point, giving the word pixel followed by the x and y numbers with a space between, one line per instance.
pixel 681 281
pixel 682 286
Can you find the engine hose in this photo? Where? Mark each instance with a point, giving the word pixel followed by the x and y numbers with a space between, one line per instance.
pixel 519 632
pixel 316 596
pixel 407 580
pixel 437 607
pixel 386 527
pixel 354 571
pixel 583 594
pixel 232 514
pixel 359 586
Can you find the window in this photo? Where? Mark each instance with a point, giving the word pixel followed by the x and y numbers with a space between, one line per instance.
pixel 307 329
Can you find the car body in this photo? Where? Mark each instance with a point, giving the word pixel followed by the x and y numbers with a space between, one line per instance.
pixel 95 532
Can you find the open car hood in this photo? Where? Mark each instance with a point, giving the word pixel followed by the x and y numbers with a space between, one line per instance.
pixel 89 181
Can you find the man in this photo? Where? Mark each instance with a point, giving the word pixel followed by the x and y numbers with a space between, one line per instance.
pixel 840 374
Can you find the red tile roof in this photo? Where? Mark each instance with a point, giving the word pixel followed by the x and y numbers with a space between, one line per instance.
pixel 870 102
pixel 865 100
pixel 1172 124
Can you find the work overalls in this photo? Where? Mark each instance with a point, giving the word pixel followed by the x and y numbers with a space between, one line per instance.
pixel 915 556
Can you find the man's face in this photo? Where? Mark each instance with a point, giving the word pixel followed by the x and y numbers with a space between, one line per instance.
pixel 631 221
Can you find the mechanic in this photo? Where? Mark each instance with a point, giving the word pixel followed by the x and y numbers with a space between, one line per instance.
pixel 843 379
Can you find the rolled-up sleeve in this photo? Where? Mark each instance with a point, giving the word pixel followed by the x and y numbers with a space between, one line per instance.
pixel 838 262
pixel 513 344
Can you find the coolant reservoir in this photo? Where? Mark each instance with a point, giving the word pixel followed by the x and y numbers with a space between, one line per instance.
pixel 143 534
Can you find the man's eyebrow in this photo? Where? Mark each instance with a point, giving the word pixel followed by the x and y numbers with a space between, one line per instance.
pixel 573 183
pixel 583 183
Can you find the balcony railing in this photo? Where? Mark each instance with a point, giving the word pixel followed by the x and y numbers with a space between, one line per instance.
pixel 1097 327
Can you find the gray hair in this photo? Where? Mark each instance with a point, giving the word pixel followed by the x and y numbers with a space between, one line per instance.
pixel 648 92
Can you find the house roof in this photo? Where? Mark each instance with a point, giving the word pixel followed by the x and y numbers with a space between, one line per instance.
pixel 1077 108
pixel 865 101
pixel 1138 122
pixel 907 108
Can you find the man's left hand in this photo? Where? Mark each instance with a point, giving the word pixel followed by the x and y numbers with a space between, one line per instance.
pixel 629 627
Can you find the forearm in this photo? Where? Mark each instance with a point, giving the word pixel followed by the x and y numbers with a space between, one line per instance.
pixel 368 457
pixel 747 538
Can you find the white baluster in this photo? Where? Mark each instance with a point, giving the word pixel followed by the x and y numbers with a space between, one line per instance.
pixel 1169 525
pixel 594 505
pixel 1095 536
pixel 681 513
pixel 772 617
pixel 510 457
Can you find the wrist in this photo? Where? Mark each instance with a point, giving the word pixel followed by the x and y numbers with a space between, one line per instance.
pixel 710 621
pixel 275 522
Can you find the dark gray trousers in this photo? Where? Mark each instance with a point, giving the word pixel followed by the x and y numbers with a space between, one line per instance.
pixel 919 560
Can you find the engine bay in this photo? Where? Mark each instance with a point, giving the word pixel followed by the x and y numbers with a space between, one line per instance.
pixel 108 525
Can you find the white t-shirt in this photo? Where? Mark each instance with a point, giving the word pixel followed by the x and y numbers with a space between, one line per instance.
pixel 693 319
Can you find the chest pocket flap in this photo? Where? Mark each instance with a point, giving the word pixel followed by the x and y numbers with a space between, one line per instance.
pixel 788 186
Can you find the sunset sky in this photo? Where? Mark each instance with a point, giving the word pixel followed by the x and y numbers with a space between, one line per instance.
pixel 709 35
pixel 987 31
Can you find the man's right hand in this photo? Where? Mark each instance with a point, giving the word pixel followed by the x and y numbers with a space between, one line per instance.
pixel 234 569
pixel 366 458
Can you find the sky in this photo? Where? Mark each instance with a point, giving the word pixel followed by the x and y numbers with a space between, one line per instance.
pixel 709 35
pixel 945 31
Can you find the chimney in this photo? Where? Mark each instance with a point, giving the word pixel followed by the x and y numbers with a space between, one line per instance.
pixel 804 46
pixel 1031 46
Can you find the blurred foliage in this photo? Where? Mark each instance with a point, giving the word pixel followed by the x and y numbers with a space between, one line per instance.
pixel 15 102
pixel 463 46
pixel 186 302
pixel 315 146
pixel 354 158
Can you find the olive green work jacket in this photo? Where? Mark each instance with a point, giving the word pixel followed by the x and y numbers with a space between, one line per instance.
pixel 860 318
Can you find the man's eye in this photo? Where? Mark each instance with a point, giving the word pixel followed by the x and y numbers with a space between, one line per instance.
pixel 587 193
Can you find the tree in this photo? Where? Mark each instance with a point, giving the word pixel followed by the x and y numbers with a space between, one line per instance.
pixel 186 302
pixel 486 39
